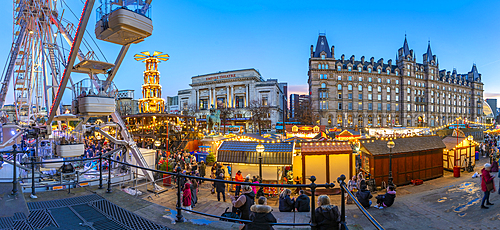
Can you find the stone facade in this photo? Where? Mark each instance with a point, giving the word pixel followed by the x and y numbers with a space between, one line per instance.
pixel 364 93
pixel 236 90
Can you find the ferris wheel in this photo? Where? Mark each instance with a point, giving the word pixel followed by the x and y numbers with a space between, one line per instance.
pixel 50 45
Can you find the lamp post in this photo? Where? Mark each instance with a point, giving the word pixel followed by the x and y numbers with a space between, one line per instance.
pixel 470 168
pixel 390 145
pixel 260 149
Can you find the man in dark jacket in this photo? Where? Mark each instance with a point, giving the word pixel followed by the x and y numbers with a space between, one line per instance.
pixel 364 196
pixel 220 187
pixel 303 203
pixel 261 216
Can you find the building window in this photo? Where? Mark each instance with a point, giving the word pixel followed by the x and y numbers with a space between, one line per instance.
pixel 379 80
pixel 369 70
pixel 388 81
pixel 388 72
pixel 397 82
pixel 397 90
pixel 360 96
pixel 360 88
pixel 397 107
pixel 432 71
pixel 379 97
pixel 408 66
pixel 359 69
pixel 322 56
pixel 349 87
pixel 339 96
pixel 379 106
pixel 396 98
pixel 408 107
pixel 204 104
pixel 379 70
pixel 370 96
pixel 339 78
pixel 369 88
pixel 349 78
pixel 339 68
pixel 360 105
pixel 388 97
pixel 326 66
pixel 370 106
pixel 408 73
pixel 369 79
pixel 379 88
pixel 349 96
pixel 349 68
pixel 264 101
pixel 396 73
pixel 339 106
pixel 339 87
pixel 240 101
pixel 360 78
pixel 408 90
pixel 409 98
pixel 388 89
pixel 349 106
pixel 388 107
pixel 323 85
pixel 319 66
pixel 323 105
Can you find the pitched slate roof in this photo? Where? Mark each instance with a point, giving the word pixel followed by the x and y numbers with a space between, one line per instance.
pixel 244 152
pixel 322 45
pixel 324 147
pixel 403 145
pixel 429 53
pixel 406 48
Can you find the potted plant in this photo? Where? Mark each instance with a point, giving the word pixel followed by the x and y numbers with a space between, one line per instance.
pixel 210 159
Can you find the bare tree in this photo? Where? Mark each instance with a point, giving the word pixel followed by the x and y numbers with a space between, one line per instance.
pixel 260 114
pixel 190 110
pixel 225 114
pixel 305 114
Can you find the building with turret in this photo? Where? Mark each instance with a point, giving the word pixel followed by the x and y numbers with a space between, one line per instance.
pixel 353 93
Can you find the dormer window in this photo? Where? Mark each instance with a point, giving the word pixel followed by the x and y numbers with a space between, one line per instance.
pixel 432 70
pixel 322 56
pixel 339 68
pixel 396 73
pixel 349 68
pixel 379 70
pixel 388 72
pixel 359 69
pixel 408 66
pixel 323 85
pixel 369 70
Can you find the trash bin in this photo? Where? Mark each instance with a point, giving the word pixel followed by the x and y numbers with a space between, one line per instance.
pixel 456 171
pixel 201 156
pixel 167 180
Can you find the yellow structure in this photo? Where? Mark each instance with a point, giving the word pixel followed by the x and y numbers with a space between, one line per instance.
pixel 151 101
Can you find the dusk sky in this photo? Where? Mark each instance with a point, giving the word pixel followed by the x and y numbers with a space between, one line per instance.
pixel 274 37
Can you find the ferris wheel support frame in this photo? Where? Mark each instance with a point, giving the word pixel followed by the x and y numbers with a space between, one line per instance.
pixel 75 48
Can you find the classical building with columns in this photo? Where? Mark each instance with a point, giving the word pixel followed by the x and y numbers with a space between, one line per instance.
pixel 237 90
pixel 353 93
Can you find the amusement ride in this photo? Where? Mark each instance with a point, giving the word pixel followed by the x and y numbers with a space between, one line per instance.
pixel 48 53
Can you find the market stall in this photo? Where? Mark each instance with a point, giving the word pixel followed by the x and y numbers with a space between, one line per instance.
pixel 326 160
pixel 412 158
pixel 459 151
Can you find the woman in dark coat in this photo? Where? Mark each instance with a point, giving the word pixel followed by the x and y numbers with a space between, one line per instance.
pixel 285 203
pixel 261 216
pixel 220 187
pixel 364 196
pixel 327 215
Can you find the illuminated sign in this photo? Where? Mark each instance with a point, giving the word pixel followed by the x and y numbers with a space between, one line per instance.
pixel 220 77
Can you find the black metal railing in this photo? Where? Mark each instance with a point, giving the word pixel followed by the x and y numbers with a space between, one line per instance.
pixel 178 177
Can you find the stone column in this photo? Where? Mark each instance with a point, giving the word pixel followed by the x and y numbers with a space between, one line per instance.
pixel 209 98
pixel 232 97
pixel 246 95
pixel 228 105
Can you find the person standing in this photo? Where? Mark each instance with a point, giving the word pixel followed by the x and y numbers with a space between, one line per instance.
pixel 238 178
pixel 220 187
pixel 203 169
pixel 303 203
pixel 487 184
pixel 186 197
pixel 194 192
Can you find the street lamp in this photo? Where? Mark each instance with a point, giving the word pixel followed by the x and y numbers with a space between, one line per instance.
pixel 260 149
pixel 470 168
pixel 390 145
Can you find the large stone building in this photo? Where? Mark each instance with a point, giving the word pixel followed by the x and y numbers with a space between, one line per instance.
pixel 297 102
pixel 237 90
pixel 125 103
pixel 364 93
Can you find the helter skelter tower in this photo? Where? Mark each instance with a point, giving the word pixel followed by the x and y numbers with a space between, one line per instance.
pixel 151 101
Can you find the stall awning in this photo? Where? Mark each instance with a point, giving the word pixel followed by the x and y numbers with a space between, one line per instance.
pixel 326 147
pixel 244 152
pixel 403 145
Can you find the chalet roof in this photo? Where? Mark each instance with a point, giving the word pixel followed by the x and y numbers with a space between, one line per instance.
pixel 244 152
pixel 324 147
pixel 403 145
pixel 241 146
pixel 451 142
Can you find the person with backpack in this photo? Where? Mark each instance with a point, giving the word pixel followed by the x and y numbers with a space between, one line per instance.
pixel 244 202
pixel 327 215
pixel 261 216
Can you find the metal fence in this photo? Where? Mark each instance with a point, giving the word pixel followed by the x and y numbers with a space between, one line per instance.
pixel 177 176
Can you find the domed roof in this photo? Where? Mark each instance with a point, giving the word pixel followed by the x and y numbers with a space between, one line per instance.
pixel 488 112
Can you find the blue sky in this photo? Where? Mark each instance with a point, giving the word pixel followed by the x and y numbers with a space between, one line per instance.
pixel 274 37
